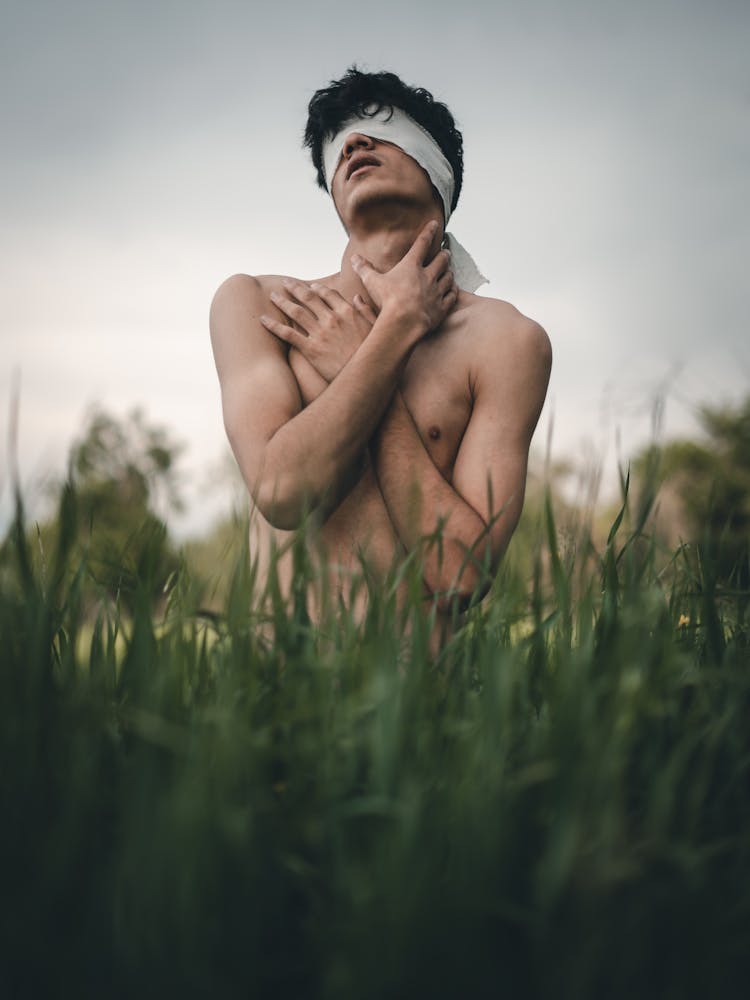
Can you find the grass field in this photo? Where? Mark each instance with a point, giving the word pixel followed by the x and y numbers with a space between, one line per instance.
pixel 558 804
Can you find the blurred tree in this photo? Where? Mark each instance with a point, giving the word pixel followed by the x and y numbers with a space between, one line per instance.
pixel 124 480
pixel 711 481
pixel 123 463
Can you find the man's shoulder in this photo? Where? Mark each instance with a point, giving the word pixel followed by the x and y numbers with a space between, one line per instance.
pixel 238 337
pixel 249 290
pixel 501 328
pixel 511 361
pixel 238 303
pixel 246 286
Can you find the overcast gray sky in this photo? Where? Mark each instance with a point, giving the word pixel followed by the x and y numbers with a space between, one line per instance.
pixel 150 149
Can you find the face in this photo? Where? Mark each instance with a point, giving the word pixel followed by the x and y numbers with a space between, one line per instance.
pixel 372 172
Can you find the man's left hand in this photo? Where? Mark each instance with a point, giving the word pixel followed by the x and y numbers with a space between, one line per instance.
pixel 330 328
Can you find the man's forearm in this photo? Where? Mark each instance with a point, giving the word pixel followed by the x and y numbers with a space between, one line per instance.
pixel 420 502
pixel 312 460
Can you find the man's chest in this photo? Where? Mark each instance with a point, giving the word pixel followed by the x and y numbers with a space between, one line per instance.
pixel 435 386
pixel 436 389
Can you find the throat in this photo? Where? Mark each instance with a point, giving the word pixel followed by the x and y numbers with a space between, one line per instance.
pixel 383 249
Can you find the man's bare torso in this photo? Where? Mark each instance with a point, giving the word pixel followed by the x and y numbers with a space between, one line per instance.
pixel 437 387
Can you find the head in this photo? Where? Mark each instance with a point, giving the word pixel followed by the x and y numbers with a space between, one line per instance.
pixel 359 94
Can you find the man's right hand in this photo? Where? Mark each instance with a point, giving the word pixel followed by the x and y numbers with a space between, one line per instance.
pixel 330 329
pixel 421 295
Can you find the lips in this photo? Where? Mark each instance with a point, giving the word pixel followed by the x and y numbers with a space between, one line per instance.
pixel 360 160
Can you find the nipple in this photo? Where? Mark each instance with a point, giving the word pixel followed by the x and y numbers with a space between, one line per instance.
pixel 434 433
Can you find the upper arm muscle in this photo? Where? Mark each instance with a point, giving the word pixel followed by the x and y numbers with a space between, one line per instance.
pixel 258 390
pixel 490 468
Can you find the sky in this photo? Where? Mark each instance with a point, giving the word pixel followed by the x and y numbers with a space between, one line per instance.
pixel 151 149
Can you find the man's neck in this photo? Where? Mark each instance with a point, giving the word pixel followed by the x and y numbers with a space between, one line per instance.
pixel 383 248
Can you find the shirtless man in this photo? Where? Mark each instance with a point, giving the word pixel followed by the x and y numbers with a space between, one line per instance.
pixel 386 400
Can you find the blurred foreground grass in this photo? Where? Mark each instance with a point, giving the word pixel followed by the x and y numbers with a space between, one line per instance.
pixel 558 804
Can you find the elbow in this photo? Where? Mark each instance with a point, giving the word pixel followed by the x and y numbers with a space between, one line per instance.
pixel 463 576
pixel 284 501
pixel 280 505
pixel 460 594
pixel 284 519
pixel 459 600
pixel 276 492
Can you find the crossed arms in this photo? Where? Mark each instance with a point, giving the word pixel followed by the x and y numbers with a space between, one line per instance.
pixel 294 457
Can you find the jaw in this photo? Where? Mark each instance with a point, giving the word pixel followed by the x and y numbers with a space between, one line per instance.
pixel 372 207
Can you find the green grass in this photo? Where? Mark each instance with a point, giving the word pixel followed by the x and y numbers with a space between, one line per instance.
pixel 558 804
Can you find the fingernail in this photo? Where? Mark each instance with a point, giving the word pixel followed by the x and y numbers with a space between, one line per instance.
pixel 356 259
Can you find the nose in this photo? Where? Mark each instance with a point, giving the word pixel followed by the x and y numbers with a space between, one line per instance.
pixel 356 141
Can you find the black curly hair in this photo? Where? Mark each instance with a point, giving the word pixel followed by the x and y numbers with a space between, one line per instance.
pixel 361 94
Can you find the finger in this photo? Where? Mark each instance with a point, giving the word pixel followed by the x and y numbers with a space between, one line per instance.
pixel 300 314
pixel 333 299
pixel 451 297
pixel 445 281
pixel 304 293
pixel 363 269
pixel 420 248
pixel 439 264
pixel 364 309
pixel 286 333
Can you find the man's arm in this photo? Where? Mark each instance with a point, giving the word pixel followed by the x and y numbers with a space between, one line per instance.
pixel 295 459
pixel 476 514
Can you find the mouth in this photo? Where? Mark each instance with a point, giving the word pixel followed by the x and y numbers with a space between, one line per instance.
pixel 357 163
